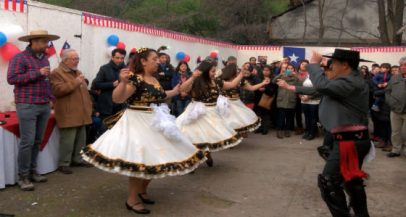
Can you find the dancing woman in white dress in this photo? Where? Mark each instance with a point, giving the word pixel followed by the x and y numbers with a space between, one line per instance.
pixel 202 120
pixel 241 118
pixel 143 141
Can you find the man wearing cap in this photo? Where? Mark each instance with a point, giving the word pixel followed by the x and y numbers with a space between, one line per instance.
pixel 28 71
pixel 343 111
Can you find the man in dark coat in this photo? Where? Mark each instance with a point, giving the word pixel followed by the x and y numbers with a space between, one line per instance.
pixel 106 80
pixel 343 111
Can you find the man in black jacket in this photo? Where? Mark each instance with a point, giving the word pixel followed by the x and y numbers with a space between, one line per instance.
pixel 106 80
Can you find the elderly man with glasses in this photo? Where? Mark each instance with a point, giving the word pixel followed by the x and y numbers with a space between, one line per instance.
pixel 73 109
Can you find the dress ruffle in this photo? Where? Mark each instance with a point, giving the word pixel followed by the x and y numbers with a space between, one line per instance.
pixel 141 170
pixel 138 146
pixel 218 146
pixel 242 119
pixel 250 128
pixel 209 130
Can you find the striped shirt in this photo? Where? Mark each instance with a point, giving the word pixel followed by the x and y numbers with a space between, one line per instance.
pixel 24 73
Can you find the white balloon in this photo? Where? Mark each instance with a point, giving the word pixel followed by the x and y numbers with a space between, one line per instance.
pixel 109 50
pixel 12 31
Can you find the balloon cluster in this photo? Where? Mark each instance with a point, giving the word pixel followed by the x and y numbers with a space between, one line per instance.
pixel 114 42
pixel 182 56
pixel 8 34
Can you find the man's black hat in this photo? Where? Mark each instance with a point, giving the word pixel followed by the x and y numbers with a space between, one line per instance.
pixel 349 55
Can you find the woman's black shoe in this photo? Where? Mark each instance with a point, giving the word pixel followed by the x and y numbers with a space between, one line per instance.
pixel 138 211
pixel 305 136
pixel 209 160
pixel 145 200
pixel 310 137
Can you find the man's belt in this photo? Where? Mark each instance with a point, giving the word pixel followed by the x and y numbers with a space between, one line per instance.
pixel 352 136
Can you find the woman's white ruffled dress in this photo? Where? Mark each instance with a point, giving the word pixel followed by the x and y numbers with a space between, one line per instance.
pixel 143 140
pixel 203 124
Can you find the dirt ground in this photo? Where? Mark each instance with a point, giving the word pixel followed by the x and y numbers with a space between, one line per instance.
pixel 262 177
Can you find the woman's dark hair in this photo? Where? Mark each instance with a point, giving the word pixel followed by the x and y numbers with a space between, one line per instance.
pixel 202 83
pixel 135 64
pixel 271 74
pixel 386 65
pixel 182 63
pixel 162 54
pixel 118 50
pixel 365 67
pixel 229 72
pixel 300 63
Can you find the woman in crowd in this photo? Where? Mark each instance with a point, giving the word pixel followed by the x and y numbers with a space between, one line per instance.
pixel 302 74
pixel 309 103
pixel 143 142
pixel 286 102
pixel 269 90
pixel 182 73
pixel 202 122
pixel 248 97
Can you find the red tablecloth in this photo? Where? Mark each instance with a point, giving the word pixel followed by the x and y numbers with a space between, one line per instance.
pixel 13 126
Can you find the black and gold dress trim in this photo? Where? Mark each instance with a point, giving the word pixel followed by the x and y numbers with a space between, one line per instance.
pixel 218 146
pixel 141 170
pixel 249 128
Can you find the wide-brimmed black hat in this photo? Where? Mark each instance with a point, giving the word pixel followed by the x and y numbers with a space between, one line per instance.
pixel 350 55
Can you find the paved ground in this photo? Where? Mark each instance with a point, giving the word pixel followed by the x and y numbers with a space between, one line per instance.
pixel 263 177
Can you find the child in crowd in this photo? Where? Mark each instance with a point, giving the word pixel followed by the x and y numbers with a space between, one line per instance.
pixel 381 81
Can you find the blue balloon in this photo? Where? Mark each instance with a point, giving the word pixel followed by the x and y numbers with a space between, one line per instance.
pixel 113 40
pixel 180 55
pixel 3 39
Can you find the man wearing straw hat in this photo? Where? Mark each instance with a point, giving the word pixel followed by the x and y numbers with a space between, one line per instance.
pixel 343 111
pixel 28 71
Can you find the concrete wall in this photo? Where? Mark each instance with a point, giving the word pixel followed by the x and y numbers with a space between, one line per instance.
pixel 6 91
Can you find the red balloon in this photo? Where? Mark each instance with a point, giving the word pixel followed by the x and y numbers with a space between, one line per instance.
pixel 186 58
pixel 134 50
pixel 8 51
pixel 213 54
pixel 121 45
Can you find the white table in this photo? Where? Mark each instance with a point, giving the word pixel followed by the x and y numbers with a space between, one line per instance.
pixel 47 158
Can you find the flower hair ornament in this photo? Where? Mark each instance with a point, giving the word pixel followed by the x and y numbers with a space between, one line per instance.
pixel 142 50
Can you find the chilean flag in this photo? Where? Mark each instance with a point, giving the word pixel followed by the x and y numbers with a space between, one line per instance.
pixel 50 51
pixel 295 54
pixel 66 45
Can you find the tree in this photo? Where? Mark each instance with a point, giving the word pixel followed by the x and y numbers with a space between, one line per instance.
pixel 390 21
pixel 242 22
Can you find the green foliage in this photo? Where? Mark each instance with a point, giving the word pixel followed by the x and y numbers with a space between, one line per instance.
pixel 63 3
pixel 276 6
pixel 242 21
